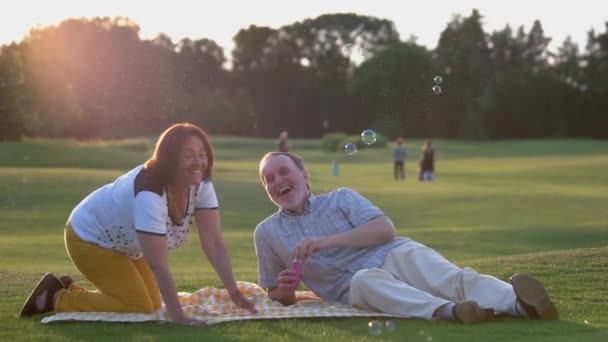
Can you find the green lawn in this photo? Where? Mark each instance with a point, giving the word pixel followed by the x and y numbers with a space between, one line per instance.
pixel 500 207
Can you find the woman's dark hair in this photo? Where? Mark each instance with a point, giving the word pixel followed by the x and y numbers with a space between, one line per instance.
pixel 427 146
pixel 163 162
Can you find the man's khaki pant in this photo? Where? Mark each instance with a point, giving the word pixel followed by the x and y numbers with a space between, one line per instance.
pixel 415 280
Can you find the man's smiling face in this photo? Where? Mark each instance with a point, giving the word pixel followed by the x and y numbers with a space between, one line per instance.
pixel 285 183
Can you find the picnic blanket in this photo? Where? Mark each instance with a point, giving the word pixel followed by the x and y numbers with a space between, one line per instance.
pixel 213 305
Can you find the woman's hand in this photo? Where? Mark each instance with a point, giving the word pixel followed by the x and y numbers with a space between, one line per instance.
pixel 241 301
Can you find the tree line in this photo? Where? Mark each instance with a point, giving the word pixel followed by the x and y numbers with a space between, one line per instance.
pixel 91 78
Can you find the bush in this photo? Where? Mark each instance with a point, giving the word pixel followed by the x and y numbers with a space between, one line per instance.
pixel 137 145
pixel 334 142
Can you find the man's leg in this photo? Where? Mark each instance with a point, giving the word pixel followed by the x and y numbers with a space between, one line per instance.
pixel 396 169
pixel 377 290
pixel 121 287
pixel 399 174
pixel 425 269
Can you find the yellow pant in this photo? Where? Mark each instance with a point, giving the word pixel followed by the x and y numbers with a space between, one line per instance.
pixel 124 284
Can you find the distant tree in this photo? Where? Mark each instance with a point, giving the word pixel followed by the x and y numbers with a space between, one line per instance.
pixel 199 65
pixel 566 84
pixel 535 103
pixel 252 71
pixel 305 71
pixel 330 46
pixel 336 72
pixel 507 82
pixel 463 59
pixel 392 90
pixel 522 83
pixel 80 75
pixel 13 111
pixel 594 86
pixel 222 112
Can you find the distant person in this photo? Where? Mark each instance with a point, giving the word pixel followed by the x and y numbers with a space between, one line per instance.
pixel 349 253
pixel 399 156
pixel 427 162
pixel 335 168
pixel 282 145
pixel 119 236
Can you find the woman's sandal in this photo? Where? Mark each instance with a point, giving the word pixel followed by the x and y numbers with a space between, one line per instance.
pixel 48 283
pixel 66 280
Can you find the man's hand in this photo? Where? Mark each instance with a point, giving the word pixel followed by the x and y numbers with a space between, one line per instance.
pixel 287 280
pixel 309 246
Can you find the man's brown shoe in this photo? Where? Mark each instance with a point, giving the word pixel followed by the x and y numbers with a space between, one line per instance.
pixel 469 312
pixel 532 295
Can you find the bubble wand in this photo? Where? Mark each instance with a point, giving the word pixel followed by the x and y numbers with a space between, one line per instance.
pixel 297 267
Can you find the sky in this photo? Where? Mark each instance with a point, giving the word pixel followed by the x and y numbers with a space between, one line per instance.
pixel 220 20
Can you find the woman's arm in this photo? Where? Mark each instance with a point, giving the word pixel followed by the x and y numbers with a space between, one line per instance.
pixel 155 253
pixel 212 244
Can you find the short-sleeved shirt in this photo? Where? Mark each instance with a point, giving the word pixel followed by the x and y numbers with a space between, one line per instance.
pixel 329 272
pixel 111 216
pixel 400 154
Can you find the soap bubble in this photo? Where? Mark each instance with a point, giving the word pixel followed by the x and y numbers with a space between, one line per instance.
pixel 389 326
pixel 375 328
pixel 368 136
pixel 350 148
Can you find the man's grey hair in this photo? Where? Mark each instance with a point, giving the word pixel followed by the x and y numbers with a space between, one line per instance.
pixel 299 161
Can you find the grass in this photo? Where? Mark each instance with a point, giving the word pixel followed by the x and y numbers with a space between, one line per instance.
pixel 499 207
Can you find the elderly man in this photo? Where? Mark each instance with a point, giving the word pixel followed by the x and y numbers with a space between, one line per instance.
pixel 349 253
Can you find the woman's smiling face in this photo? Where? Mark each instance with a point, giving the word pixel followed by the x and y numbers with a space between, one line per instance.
pixel 192 161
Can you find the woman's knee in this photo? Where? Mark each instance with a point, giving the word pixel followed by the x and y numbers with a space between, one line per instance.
pixel 144 307
pixel 143 304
